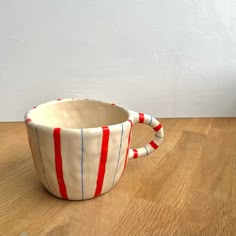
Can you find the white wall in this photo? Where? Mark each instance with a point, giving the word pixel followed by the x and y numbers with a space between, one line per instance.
pixel 164 57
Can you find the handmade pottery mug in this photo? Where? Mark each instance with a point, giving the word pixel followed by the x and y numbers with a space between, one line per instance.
pixel 81 147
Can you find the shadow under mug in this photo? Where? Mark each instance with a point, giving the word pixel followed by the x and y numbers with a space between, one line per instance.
pixel 80 148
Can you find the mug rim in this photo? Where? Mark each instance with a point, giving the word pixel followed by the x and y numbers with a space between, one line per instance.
pixel 29 122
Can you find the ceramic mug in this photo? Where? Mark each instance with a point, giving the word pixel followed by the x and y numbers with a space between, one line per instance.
pixel 80 148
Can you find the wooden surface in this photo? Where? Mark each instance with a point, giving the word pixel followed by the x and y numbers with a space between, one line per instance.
pixel 187 187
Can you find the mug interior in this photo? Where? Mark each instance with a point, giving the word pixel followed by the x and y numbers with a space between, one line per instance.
pixel 76 114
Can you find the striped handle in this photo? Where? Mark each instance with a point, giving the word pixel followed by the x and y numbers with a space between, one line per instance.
pixel 158 137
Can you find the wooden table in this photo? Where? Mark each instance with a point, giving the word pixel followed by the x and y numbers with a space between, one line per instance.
pixel 187 187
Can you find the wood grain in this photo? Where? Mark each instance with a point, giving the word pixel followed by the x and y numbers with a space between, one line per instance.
pixel 187 187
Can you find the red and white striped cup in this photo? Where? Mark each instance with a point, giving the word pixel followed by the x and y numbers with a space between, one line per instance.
pixel 80 148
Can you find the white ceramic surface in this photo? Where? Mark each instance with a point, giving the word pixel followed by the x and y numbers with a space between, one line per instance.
pixel 81 147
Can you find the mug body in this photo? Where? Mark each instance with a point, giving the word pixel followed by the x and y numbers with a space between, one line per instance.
pixel 79 147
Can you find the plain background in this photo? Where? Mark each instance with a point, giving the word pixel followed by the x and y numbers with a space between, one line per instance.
pixel 163 57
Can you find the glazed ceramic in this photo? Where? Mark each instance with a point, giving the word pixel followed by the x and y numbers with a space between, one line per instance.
pixel 80 148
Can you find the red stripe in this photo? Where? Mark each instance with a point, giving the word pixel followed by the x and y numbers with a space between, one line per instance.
pixel 34 107
pixel 113 104
pixel 153 144
pixel 127 151
pixel 157 128
pixel 59 99
pixel 27 120
pixel 58 162
pixel 103 160
pixel 141 117
pixel 135 153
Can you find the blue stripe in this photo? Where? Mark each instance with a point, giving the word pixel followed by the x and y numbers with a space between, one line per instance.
pixel 82 162
pixel 150 122
pixel 146 149
pixel 158 136
pixel 121 137
pixel 41 159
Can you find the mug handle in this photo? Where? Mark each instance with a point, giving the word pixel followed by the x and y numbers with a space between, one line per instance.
pixel 139 117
